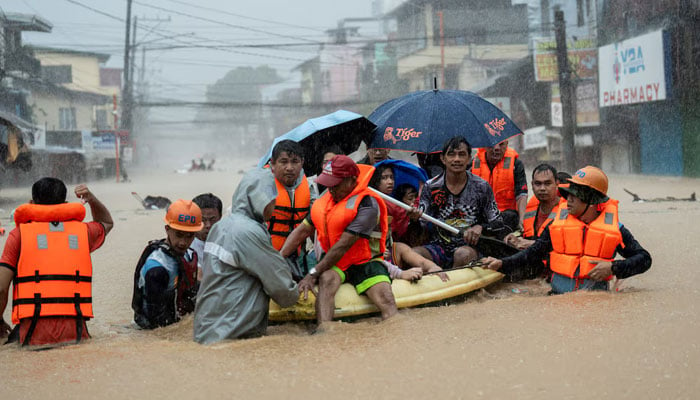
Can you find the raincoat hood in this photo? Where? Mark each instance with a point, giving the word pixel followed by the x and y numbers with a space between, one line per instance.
pixel 256 190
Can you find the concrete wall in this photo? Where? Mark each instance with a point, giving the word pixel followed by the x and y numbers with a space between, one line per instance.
pixel 46 111
pixel 85 70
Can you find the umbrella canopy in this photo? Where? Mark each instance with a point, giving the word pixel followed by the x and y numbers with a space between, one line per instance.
pixel 422 121
pixel 342 128
pixel 405 172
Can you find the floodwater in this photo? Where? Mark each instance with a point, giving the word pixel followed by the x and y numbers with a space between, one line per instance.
pixel 642 342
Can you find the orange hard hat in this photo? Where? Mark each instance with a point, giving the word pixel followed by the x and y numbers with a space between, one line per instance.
pixel 592 177
pixel 589 184
pixel 184 215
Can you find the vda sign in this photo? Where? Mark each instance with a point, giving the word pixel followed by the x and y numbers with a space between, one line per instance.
pixel 628 61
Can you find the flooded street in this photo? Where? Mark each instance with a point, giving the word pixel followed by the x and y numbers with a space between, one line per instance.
pixel 641 342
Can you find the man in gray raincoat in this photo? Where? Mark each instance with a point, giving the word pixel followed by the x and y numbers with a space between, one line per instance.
pixel 241 269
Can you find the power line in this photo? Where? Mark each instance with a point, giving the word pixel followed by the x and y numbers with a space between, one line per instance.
pixel 220 11
pixel 191 44
pixel 95 10
pixel 246 104
pixel 226 46
pixel 219 22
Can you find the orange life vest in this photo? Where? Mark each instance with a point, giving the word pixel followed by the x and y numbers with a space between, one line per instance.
pixel 54 272
pixel 330 220
pixel 288 214
pixel 575 243
pixel 501 179
pixel 531 217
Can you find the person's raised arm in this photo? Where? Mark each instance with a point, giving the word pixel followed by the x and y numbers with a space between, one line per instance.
pixel 99 211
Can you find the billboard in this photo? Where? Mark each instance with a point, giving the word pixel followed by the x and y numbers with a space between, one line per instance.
pixel 635 70
pixel 582 54
pixel 587 112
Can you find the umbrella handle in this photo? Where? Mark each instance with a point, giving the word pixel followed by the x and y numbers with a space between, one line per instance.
pixel 406 207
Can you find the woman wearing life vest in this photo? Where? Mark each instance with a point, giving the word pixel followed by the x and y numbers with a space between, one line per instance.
pixel 583 239
pixel 48 256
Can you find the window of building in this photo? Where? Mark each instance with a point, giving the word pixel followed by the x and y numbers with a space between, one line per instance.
pixel 66 119
pixel 57 73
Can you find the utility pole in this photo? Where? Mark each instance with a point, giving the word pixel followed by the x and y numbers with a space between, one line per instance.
pixel 142 74
pixel 132 58
pixel 126 121
pixel 568 152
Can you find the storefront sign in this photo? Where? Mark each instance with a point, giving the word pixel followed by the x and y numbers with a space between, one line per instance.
pixel 582 58
pixel 587 111
pixel 634 71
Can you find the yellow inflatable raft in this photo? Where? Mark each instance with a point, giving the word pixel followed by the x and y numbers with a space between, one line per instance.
pixel 428 290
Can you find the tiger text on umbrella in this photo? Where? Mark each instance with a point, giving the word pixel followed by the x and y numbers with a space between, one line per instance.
pixel 404 134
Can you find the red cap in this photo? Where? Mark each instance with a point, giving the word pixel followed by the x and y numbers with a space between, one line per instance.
pixel 335 170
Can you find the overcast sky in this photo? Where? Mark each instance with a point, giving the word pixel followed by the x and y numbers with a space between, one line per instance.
pixel 184 73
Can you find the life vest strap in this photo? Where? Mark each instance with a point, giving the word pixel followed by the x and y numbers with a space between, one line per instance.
pixel 79 318
pixel 280 233
pixel 55 277
pixel 292 221
pixel 292 209
pixel 35 319
pixel 37 300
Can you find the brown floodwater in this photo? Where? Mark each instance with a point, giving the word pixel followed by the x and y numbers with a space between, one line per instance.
pixel 641 342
